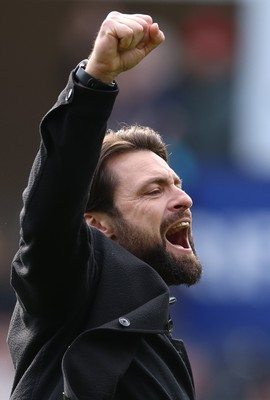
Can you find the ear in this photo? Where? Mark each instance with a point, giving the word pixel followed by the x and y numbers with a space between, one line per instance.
pixel 101 221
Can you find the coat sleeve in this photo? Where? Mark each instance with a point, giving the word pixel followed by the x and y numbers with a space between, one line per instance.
pixel 51 268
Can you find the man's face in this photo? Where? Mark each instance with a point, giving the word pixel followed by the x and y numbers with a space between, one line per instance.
pixel 154 221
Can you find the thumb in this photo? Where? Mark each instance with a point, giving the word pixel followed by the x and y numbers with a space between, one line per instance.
pixel 155 38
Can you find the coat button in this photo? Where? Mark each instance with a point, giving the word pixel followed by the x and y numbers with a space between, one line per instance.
pixel 69 94
pixel 124 321
pixel 169 325
pixel 172 300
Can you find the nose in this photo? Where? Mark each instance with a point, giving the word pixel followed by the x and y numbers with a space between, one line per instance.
pixel 180 199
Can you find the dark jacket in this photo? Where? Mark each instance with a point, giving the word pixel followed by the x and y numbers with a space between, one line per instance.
pixel 83 301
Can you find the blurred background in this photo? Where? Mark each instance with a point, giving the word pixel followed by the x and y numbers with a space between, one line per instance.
pixel 207 91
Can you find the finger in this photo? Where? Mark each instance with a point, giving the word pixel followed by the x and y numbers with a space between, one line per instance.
pixel 128 31
pixel 156 35
pixel 134 34
pixel 140 18
pixel 154 38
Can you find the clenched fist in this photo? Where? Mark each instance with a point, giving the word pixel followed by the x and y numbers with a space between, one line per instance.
pixel 122 42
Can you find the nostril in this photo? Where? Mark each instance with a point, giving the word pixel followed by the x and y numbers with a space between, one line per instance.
pixel 181 208
pixel 184 205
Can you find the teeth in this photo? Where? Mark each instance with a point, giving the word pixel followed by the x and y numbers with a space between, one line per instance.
pixel 181 225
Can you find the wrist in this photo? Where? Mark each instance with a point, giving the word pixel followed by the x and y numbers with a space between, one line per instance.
pixel 87 80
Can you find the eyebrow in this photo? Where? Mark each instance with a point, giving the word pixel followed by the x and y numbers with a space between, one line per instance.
pixel 163 181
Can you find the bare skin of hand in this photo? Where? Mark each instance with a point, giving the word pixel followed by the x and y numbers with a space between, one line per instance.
pixel 122 42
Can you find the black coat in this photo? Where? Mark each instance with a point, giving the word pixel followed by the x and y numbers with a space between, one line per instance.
pixel 83 301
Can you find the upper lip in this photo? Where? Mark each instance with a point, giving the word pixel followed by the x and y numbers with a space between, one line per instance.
pixel 175 223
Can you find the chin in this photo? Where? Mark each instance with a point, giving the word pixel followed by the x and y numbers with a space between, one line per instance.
pixel 175 269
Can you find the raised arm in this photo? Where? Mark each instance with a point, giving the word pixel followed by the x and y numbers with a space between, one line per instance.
pixel 54 248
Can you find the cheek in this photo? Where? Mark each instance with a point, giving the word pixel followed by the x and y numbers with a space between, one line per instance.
pixel 150 222
pixel 144 215
pixel 130 210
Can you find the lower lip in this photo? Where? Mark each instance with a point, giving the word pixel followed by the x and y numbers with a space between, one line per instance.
pixel 176 249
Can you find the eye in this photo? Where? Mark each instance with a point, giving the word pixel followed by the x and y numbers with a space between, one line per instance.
pixel 155 192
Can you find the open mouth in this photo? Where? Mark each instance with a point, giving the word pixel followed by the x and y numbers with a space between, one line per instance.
pixel 177 235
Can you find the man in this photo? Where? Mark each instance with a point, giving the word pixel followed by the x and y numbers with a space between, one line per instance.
pixel 92 271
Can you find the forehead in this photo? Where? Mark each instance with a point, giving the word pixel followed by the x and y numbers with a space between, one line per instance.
pixel 135 168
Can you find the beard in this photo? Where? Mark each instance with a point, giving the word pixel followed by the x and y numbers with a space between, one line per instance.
pixel 184 269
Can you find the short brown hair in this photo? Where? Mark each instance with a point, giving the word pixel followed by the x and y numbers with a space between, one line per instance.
pixel 127 139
